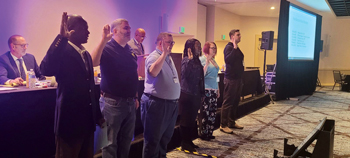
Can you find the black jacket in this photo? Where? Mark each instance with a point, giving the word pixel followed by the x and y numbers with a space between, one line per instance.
pixel 192 76
pixel 234 62
pixel 77 110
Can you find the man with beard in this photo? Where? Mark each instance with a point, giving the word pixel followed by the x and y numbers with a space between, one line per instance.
pixel 15 63
pixel 118 102
pixel 77 111
pixel 234 59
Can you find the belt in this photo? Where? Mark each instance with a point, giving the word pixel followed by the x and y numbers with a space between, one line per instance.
pixel 107 95
pixel 160 99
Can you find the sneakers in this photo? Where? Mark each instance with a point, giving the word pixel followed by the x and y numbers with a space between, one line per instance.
pixel 236 126
pixel 226 130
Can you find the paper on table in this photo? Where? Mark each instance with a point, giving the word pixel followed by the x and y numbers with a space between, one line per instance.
pixel 7 88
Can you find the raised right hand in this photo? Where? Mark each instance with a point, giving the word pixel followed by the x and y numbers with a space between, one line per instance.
pixel 190 54
pixel 64 26
pixel 106 33
pixel 234 44
pixel 209 57
pixel 167 50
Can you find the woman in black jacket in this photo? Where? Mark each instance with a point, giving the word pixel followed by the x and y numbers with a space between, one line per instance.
pixel 192 91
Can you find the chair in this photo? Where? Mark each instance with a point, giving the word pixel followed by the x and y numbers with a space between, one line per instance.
pixel 338 79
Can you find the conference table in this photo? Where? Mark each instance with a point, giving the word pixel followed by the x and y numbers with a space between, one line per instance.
pixel 27 117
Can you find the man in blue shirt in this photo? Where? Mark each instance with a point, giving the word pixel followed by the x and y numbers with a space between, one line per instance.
pixel 119 81
pixel 159 103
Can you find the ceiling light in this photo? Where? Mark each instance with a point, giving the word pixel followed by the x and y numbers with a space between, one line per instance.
pixel 272 8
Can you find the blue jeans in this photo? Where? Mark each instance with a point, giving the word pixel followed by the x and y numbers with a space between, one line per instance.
pixel 158 118
pixel 120 119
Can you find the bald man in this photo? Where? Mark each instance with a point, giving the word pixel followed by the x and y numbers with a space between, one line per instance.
pixel 77 111
pixel 15 63
pixel 136 42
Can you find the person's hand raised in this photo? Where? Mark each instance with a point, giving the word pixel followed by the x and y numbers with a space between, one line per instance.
pixel 106 33
pixel 190 54
pixel 167 50
pixel 64 26
pixel 234 43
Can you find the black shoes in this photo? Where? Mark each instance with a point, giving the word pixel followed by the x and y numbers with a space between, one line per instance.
pixel 207 138
pixel 189 146
pixel 194 145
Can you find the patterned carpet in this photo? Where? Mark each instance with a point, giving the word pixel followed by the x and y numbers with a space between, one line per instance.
pixel 265 129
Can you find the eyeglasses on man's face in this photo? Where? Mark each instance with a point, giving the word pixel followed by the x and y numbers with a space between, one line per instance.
pixel 22 45
pixel 213 48
pixel 170 42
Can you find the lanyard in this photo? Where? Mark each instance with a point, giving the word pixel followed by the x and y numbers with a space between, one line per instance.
pixel 170 63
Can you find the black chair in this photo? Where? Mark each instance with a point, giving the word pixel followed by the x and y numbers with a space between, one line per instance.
pixel 338 79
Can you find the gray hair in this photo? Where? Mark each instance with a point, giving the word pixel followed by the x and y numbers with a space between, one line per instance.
pixel 117 23
pixel 163 35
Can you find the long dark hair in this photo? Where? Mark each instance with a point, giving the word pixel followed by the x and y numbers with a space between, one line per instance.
pixel 190 43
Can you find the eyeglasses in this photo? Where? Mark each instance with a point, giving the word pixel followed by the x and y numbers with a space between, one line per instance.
pixel 170 42
pixel 212 47
pixel 141 36
pixel 22 45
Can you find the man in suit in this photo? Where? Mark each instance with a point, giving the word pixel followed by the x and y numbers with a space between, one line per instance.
pixel 136 42
pixel 15 63
pixel 77 111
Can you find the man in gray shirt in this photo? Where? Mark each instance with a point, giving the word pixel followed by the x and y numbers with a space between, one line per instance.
pixel 159 103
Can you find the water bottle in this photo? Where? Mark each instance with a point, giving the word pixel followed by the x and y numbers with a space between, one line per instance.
pixel 31 78
pixel 95 76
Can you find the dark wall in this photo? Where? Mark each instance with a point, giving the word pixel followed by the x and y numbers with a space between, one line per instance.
pixel 294 78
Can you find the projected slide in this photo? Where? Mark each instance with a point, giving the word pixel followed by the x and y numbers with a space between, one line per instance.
pixel 301 34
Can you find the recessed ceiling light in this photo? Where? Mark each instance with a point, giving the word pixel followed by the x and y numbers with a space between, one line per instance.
pixel 272 8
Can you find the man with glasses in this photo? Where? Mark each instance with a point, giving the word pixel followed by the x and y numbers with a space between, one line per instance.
pixel 136 43
pixel 15 63
pixel 159 103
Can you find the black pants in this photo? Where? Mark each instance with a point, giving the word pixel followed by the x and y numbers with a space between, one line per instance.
pixel 188 110
pixel 80 147
pixel 232 93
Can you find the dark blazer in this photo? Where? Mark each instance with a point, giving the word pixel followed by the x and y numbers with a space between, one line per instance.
pixel 77 110
pixel 9 70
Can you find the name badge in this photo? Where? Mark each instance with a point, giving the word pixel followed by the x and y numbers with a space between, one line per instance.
pixel 218 79
pixel 176 80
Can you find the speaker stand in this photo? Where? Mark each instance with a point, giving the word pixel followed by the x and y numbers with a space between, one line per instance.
pixel 264 78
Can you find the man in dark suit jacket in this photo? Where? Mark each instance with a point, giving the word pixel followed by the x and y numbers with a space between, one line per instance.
pixel 77 111
pixel 15 60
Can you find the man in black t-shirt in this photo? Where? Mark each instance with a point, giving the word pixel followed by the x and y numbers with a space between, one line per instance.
pixel 119 81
